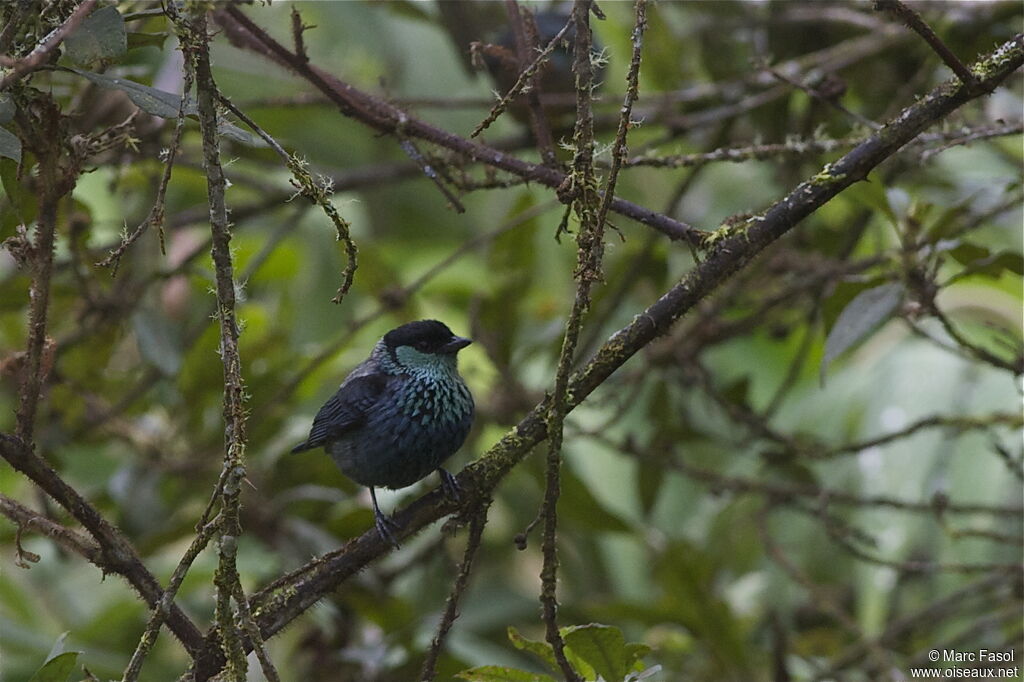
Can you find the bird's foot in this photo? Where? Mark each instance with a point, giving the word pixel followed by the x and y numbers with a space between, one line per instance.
pixel 384 526
pixel 449 485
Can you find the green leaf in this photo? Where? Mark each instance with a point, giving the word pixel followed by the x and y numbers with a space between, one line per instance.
pixel 164 104
pixel 1008 260
pixel 10 145
pixel 146 40
pixel 580 506
pixel 635 651
pixel 603 648
pixel 968 253
pixel 152 101
pixel 497 673
pixel 6 108
pixel 872 194
pixel 23 201
pixel 158 341
pixel 410 10
pixel 99 38
pixel 57 669
pixel 859 318
pixel 648 483
pixel 542 650
pixel 59 663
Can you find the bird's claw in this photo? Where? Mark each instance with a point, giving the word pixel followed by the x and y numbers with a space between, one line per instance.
pixel 384 525
pixel 449 485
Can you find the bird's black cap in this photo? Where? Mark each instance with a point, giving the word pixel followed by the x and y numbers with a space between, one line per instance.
pixel 429 336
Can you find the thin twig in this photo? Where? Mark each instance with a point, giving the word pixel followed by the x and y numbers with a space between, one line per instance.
pixel 529 75
pixel 539 122
pixel 821 596
pixel 580 189
pixel 47 45
pixel 824 496
pixel 914 21
pixel 67 538
pixel 935 611
pixel 451 609
pixel 118 554
pixel 318 193
pixel 387 118
pixel 226 577
pixel 252 631
pixel 953 423
pixel 41 261
pixel 839 535
pixel 817 95
pixel 156 213
pixel 413 152
pixel 162 608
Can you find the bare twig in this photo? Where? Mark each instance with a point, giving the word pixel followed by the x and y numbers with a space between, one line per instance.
pixel 952 423
pixel 451 608
pixel 67 538
pixel 318 193
pixel 816 94
pixel 914 21
pixel 529 76
pixel 580 189
pixel 156 213
pixel 935 611
pixel 298 28
pixel 821 597
pixel 39 295
pixel 413 152
pixel 388 119
pixel 968 135
pixel 840 535
pixel 252 631
pixel 162 608
pixel 226 577
pixel 22 67
pixel 117 553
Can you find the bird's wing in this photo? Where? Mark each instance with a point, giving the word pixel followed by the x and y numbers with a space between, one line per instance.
pixel 346 410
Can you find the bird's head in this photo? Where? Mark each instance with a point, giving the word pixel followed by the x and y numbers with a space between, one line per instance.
pixel 423 346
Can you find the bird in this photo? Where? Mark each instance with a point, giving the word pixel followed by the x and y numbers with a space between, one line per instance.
pixel 399 414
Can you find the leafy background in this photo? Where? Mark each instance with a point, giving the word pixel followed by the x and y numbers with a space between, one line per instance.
pixel 658 536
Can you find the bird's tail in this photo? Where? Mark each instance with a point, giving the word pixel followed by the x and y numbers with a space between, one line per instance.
pixel 302 447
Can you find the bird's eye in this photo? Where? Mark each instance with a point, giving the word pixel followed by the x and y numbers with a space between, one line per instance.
pixel 421 345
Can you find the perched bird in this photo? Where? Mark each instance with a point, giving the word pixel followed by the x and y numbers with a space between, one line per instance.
pixel 399 414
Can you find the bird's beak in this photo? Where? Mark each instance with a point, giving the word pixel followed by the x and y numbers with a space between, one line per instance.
pixel 456 344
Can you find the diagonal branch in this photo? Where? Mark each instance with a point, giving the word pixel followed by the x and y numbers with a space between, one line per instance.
pixel 116 553
pixel 733 247
pixel 67 538
pixel 22 67
pixel 914 21
pixel 391 120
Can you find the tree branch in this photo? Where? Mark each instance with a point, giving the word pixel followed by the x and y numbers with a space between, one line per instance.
pixel 914 21
pixel 117 554
pixel 387 118
pixel 22 67
pixel 733 247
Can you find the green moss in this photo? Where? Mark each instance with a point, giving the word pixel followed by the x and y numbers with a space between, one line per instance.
pixel 826 177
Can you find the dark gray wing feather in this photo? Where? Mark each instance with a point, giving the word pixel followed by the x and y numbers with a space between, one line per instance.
pixel 345 411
